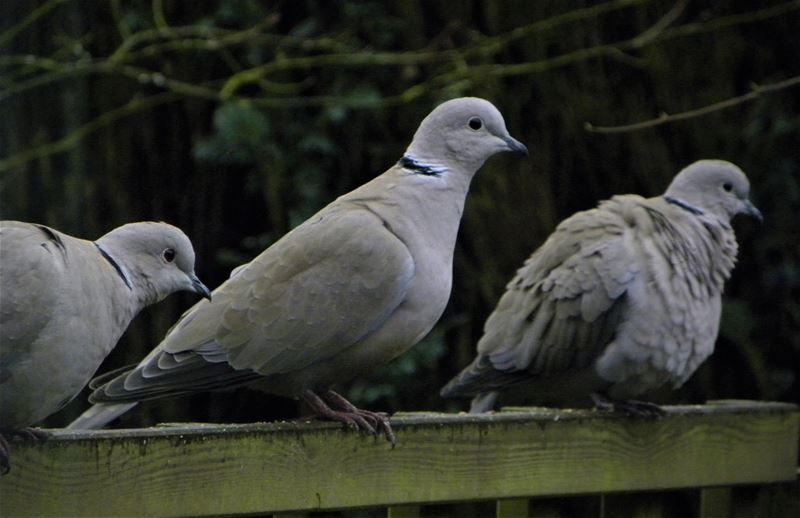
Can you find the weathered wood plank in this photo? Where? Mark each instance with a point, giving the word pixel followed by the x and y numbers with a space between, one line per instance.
pixel 267 468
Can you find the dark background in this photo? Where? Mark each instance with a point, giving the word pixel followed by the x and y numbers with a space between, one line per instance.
pixel 121 111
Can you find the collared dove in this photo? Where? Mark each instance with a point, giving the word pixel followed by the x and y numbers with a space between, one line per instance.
pixel 619 300
pixel 351 288
pixel 64 303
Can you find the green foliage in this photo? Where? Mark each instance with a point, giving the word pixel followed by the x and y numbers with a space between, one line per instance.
pixel 242 135
pixel 388 386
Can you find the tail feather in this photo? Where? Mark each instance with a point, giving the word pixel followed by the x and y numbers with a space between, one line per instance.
pixel 99 415
pixel 483 402
pixel 480 377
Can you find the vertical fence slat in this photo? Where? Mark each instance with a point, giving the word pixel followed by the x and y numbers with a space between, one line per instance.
pixel 550 507
pixel 512 508
pixel 632 505
pixel 403 511
pixel 715 502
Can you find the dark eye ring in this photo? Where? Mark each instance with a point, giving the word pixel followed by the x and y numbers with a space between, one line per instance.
pixel 475 123
pixel 168 254
pixel 728 186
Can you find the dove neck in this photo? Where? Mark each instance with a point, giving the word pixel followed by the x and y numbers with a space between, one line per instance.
pixel 121 271
pixel 414 165
pixel 436 174
pixel 442 160
pixel 137 287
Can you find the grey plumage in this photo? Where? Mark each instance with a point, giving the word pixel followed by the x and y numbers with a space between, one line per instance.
pixel 620 299
pixel 356 285
pixel 64 303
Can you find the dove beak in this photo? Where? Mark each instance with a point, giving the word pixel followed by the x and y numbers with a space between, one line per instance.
pixel 515 145
pixel 199 287
pixel 752 211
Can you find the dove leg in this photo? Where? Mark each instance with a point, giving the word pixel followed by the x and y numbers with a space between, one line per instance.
pixel 5 447
pixel 378 420
pixel 350 415
pixel 629 406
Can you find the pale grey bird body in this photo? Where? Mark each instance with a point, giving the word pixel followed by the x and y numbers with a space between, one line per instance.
pixel 619 300
pixel 65 302
pixel 356 285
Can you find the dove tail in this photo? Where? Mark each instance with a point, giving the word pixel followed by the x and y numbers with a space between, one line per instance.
pixel 471 381
pixel 483 402
pixel 481 379
pixel 99 415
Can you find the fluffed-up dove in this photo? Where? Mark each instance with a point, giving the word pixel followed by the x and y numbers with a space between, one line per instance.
pixel 348 290
pixel 619 300
pixel 64 303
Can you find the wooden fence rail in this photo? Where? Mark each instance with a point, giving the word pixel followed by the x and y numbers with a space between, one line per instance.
pixel 514 457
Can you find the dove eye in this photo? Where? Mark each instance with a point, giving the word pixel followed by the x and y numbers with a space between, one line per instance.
pixel 168 255
pixel 475 123
pixel 728 186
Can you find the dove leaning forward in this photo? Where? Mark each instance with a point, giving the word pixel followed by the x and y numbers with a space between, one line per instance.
pixel 619 300
pixel 353 287
pixel 64 303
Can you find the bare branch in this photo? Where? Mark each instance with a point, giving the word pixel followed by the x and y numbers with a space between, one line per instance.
pixel 497 43
pixel 665 118
pixel 73 138
pixel 483 47
pixel 198 32
pixel 116 13
pixel 454 67
pixel 613 49
pixel 664 22
pixel 58 70
pixel 159 18
pixel 41 11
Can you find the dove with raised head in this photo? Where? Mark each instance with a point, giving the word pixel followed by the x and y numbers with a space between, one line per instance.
pixel 353 287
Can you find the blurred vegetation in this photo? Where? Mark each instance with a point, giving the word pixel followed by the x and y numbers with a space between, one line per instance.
pixel 237 120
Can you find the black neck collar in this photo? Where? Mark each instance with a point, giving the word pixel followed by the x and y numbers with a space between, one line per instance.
pixel 116 266
pixel 685 206
pixel 411 164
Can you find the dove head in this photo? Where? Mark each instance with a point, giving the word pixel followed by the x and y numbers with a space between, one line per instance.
pixel 461 134
pixel 154 259
pixel 714 186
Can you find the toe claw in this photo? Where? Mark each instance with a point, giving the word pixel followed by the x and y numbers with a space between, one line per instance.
pixel 630 407
pixel 332 406
pixel 30 434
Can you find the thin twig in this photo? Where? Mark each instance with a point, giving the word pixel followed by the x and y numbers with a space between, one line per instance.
pixel 58 71
pixel 116 13
pixel 483 47
pixel 661 25
pixel 159 18
pixel 501 41
pixel 74 137
pixel 612 49
pixel 125 50
pixel 41 11
pixel 665 118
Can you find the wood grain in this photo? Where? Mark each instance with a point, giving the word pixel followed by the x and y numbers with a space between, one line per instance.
pixel 207 470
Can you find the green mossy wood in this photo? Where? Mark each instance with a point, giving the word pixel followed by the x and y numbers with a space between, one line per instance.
pixel 201 470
